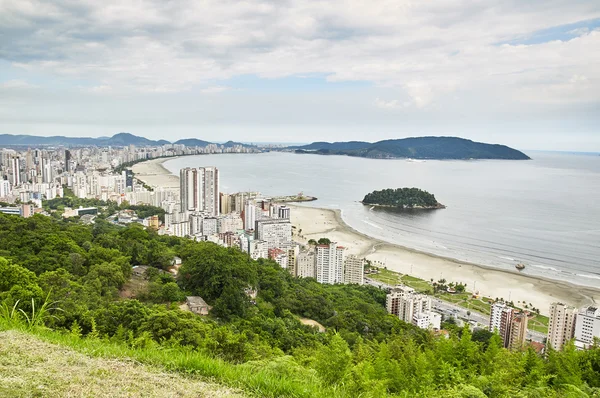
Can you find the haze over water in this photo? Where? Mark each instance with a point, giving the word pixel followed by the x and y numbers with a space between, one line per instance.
pixel 544 212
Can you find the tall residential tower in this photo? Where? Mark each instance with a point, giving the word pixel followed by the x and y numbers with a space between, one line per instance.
pixel 199 190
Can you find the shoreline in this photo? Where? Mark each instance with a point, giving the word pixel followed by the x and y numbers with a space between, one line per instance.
pixel 489 281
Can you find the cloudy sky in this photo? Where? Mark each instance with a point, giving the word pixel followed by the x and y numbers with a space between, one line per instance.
pixel 521 73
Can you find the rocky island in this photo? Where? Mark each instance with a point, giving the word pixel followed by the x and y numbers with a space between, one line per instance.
pixel 402 198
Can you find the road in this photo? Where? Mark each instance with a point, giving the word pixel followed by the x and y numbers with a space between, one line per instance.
pixel 447 308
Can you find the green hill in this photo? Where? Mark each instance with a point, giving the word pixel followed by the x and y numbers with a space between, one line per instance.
pixel 416 148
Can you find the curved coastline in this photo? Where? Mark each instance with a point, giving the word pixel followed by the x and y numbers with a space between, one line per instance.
pixel 490 281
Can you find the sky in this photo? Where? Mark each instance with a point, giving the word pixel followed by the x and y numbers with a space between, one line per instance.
pixel 519 73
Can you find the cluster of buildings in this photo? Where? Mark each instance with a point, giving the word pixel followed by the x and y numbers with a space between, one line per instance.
pixel 412 307
pixel 567 323
pixel 32 175
pixel 254 224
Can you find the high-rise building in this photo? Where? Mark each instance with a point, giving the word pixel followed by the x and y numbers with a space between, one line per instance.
pixel 587 327
pixel 405 302
pixel 225 203
pixel 277 233
pixel 4 188
pixel 354 270
pixel 330 263
pixel 518 331
pixel 15 164
pixel 249 216
pixel 199 190
pixel 561 325
pixel 306 263
pixel 67 160
pixel 510 324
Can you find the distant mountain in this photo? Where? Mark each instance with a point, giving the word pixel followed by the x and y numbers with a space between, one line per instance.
pixel 192 142
pixel 120 139
pixel 335 146
pixel 416 148
pixel 124 139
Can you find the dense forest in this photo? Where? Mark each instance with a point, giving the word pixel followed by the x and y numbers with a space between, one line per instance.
pixel 81 273
pixel 402 198
pixel 416 148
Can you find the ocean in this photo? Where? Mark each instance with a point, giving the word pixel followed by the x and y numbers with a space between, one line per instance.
pixel 544 212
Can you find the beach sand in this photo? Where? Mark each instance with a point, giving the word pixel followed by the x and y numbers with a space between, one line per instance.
pixel 153 173
pixel 316 223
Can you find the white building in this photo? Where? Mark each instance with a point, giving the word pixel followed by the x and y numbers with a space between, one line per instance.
pixel 210 226
pixel 4 188
pixel 561 325
pixel 277 233
pixel 249 216
pixel 199 190
pixel 587 327
pixel 427 320
pixel 405 303
pixel 330 263
pixel 306 263
pixel 354 270
pixel 231 222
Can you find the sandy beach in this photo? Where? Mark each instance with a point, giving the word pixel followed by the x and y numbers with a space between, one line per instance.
pixel 315 223
pixel 153 173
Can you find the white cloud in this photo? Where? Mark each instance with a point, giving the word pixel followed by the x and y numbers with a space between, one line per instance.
pixel 391 104
pixel 420 58
pixel 214 89
pixel 17 84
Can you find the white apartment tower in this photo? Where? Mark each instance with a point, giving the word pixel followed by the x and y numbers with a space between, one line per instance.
pixel 199 190
pixel 4 188
pixel 354 270
pixel 587 327
pixel 330 263
pixel 561 325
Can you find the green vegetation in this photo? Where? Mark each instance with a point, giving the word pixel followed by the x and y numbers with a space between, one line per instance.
pixel 257 344
pixel 31 367
pixel 416 148
pixel 401 198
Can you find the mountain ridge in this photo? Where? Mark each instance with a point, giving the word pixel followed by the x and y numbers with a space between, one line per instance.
pixel 119 139
pixel 429 147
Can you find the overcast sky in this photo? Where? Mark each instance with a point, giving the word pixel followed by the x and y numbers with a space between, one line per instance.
pixel 520 73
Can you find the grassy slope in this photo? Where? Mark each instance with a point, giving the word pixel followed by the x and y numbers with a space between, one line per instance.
pixel 30 367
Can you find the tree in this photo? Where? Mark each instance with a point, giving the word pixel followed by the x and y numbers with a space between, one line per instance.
pixel 324 241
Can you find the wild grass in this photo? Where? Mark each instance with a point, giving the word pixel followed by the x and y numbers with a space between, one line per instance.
pixel 252 379
pixel 30 367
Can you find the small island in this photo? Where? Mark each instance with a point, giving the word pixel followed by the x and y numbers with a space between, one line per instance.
pixel 402 198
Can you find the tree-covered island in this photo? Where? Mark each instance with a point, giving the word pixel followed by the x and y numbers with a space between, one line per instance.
pixel 403 198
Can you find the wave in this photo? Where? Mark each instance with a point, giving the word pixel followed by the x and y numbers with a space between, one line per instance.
pixel 373 225
pixel 589 276
pixel 546 267
pixel 507 258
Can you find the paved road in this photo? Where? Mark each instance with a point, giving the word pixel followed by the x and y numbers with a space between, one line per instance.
pixel 448 308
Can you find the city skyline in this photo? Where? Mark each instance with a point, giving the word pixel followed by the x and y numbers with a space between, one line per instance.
pixel 526 77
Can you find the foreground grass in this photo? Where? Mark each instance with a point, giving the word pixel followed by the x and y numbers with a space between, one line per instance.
pixel 271 379
pixel 30 367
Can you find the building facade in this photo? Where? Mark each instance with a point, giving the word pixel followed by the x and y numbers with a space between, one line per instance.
pixel 354 270
pixel 587 327
pixel 561 325
pixel 329 263
pixel 199 190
